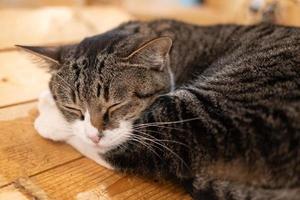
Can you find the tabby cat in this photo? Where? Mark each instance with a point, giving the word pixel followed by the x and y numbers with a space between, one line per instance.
pixel 214 108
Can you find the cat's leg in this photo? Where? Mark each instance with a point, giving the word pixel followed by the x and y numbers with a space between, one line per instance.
pixel 50 123
pixel 214 189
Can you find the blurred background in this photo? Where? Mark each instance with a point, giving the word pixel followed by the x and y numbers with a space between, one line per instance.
pixel 198 11
pixel 55 21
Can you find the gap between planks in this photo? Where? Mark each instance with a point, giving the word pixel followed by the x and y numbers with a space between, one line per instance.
pixel 19 103
pixel 45 170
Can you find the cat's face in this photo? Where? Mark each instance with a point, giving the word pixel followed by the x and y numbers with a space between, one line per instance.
pixel 100 94
pixel 101 106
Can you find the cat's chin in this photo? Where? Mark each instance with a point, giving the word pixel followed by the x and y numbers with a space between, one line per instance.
pixel 111 138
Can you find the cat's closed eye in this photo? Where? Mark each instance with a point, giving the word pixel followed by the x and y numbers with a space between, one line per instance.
pixel 74 110
pixel 111 109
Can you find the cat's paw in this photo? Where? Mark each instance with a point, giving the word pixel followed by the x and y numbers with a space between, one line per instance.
pixel 50 123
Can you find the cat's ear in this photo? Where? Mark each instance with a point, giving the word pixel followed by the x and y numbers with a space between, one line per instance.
pixel 50 55
pixel 152 55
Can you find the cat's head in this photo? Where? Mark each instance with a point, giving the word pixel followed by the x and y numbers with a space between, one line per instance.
pixel 104 83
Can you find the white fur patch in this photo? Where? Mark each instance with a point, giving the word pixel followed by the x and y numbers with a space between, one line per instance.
pixel 52 125
pixel 89 151
pixel 111 138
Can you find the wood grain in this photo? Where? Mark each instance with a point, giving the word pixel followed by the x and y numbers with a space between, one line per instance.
pixel 16 112
pixel 23 152
pixel 84 179
pixel 20 79
pixel 58 171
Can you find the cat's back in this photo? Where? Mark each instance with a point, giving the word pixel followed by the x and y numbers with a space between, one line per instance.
pixel 258 54
pixel 261 68
pixel 257 86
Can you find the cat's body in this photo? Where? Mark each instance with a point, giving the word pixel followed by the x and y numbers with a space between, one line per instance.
pixel 231 127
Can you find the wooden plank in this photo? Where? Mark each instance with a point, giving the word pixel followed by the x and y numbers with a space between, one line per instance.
pixel 59 171
pixel 56 24
pixel 15 112
pixel 85 180
pixel 23 152
pixel 20 79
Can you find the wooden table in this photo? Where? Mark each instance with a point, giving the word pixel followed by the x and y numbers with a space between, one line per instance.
pixel 35 168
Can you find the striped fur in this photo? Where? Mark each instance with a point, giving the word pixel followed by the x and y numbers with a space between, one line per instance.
pixel 236 125
pixel 229 130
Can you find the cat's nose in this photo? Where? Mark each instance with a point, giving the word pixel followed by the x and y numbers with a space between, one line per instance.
pixel 95 138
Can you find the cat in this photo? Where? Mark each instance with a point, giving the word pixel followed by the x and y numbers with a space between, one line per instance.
pixel 213 108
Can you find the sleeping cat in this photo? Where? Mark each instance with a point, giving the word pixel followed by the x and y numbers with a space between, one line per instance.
pixel 214 108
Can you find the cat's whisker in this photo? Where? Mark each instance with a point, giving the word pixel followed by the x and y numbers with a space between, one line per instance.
pixel 172 122
pixel 121 145
pixel 147 147
pixel 162 140
pixel 167 148
pixel 144 144
pixel 136 139
pixel 151 131
pixel 166 127
pixel 117 138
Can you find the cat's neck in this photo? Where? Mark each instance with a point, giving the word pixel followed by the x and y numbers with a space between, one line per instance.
pixel 194 49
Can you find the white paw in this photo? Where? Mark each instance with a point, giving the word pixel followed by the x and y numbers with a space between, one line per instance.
pixel 50 123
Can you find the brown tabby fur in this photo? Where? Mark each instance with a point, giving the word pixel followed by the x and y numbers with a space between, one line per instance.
pixel 231 127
